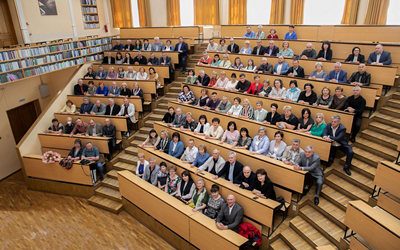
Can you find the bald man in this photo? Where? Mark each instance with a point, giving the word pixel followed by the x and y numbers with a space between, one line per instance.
pixel 231 214
pixel 379 56
pixel 246 179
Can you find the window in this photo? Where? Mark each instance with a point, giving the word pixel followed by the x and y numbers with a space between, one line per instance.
pixel 258 11
pixel 135 13
pixel 186 9
pixel 323 12
pixel 393 16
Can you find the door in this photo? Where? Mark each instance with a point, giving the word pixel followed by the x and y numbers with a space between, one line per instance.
pixel 22 118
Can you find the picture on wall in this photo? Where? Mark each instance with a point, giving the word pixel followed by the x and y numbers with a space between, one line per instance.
pixel 47 7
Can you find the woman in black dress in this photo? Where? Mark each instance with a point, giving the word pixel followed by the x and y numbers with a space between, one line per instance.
pixel 169 116
pixel 264 187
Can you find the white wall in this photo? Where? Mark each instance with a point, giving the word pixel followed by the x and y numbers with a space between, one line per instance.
pixel 158 13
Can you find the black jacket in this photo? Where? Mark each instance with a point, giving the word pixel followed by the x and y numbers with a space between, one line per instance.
pixel 261 52
pixel 300 71
pixel 203 80
pixel 328 54
pixel 251 180
pixel 360 58
pixel 340 135
pixel 108 60
pixel 237 170
pixel 235 49
pixel 78 90
pixel 115 110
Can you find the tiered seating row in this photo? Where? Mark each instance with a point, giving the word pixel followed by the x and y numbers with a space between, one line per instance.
pixel 172 54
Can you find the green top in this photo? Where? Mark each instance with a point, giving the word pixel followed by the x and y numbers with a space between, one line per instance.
pixel 318 130
pixel 190 79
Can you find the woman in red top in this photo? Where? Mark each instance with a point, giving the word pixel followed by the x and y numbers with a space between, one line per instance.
pixel 272 34
pixel 255 87
pixel 205 59
pixel 213 79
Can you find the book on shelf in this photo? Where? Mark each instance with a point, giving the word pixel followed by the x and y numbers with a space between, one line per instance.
pixel 8 55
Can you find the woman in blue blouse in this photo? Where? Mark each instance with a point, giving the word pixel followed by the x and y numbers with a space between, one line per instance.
pixel 176 146
pixel 102 89
pixel 201 157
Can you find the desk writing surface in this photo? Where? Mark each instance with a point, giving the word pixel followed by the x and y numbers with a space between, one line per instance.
pixel 389 203
pixel 119 100
pixel 321 146
pixel 172 54
pixel 118 121
pixel 387 177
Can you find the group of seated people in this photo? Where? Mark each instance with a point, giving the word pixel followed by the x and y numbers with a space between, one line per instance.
pixel 145 45
pixel 138 59
pixel 354 104
pixel 337 75
pixel 260 34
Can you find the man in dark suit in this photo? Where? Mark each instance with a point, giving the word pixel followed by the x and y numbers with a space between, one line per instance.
pixel 337 75
pixel 202 79
pixel 118 46
pixel 361 77
pixel 232 168
pixel 80 88
pixel 86 106
pixel 183 49
pixel 259 49
pixel 166 61
pixel 129 45
pixel 355 104
pixel 111 108
pixel 101 73
pixel 335 133
pixel 109 130
pixel 108 59
pixel 140 59
pixel 271 50
pixel 310 161
pixel 231 215
pixel 265 67
pixel 233 47
pixel 296 70
pixel 379 56
pixel 247 179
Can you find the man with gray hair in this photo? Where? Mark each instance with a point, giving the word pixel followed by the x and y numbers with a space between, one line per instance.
pixel 214 164
pixel 151 172
pixel 379 56
pixel 310 162
pixel 232 168
pixel 337 75
pixel 233 47
pixel 157 45
pixel 86 106
pixel 335 133
pixel 292 153
pixel 355 104
pixel 309 52
pixel 202 79
pixel 98 108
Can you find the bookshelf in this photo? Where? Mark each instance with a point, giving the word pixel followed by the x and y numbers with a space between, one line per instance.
pixel 21 62
pixel 90 14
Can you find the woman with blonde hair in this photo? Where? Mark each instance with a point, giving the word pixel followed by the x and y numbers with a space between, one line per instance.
pixel 319 125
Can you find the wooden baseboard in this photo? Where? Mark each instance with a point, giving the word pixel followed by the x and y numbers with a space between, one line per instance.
pixel 164 232
pixel 60 187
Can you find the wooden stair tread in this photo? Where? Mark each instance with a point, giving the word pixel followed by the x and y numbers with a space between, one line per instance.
pixel 111 182
pixel 146 103
pixel 109 192
pixel 124 166
pixel 113 174
pixel 131 150
pixel 105 203
pixel 379 136
pixel 309 231
pixel 279 244
pixel 360 178
pixel 335 195
pixel 347 186
pixel 295 240
pixel 323 222
pixel 332 209
pixel 362 165
pixel 391 109
pixel 368 155
pixel 155 117
pixel 397 101
pixel 388 118
pixel 376 146
pixel 384 127
pixel 161 110
pixel 135 143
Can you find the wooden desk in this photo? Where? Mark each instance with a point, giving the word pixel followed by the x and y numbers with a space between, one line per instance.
pixel 184 31
pixel 368 93
pixel 346 117
pixel 260 210
pixel 387 177
pixel 293 179
pixel 172 54
pixel 119 100
pixel 34 167
pixel 383 75
pixel 380 229
pixel 321 146
pixel 118 121
pixel 390 204
pixel 163 71
pixel 149 87
pixel 357 244
pixel 189 40
pixel 66 142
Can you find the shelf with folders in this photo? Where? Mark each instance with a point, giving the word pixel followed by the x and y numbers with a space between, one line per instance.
pixel 90 14
pixel 21 62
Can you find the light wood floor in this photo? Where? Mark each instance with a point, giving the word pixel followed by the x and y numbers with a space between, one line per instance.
pixel 37 220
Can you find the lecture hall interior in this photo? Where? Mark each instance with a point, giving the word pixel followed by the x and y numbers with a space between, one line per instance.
pixel 200 124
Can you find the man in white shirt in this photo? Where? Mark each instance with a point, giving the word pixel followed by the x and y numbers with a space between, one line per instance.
pixel 214 164
pixel 190 152
pixel 260 113
pixel 212 46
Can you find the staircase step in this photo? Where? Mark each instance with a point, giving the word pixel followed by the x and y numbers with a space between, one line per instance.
pixel 342 185
pixel 377 148
pixel 291 238
pixel 145 130
pixel 395 103
pixel 366 156
pixel 386 129
pixel 395 112
pixel 128 158
pixel 308 232
pixel 167 99
pixel 361 167
pixel 326 227
pixel 131 150
pixel 119 166
pixel 136 143
pixel 108 193
pixel 339 199
pixel 113 174
pixel 149 123
pixel 357 179
pixel 111 183
pixel 160 111
pixel 331 211
pixel 382 139
pixel 279 244
pixel 387 119
pixel 155 117
pixel 176 89
pixel 140 137
pixel 163 105
pixel 105 203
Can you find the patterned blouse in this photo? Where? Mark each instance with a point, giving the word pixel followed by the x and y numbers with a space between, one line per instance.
pixel 244 142
pixel 213 207
pixel 189 97
pixel 172 184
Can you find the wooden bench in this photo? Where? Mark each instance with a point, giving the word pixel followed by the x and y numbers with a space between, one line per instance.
pixel 172 54
pixel 340 49
pixel 366 33
pixel 382 75
pixel 66 142
pixel 118 121
pixel 369 93
pixel 149 87
pixel 34 167
pixel 378 228
pixel 260 210
pixel 346 117
pixel 163 71
pixel 119 100
pixel 387 177
pixel 176 32
pixel 293 179
pixel 189 40
pixel 321 146
pixel 195 228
